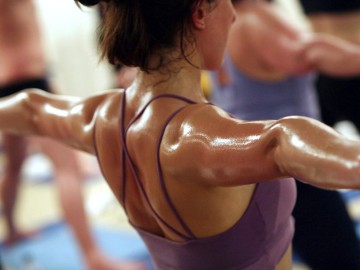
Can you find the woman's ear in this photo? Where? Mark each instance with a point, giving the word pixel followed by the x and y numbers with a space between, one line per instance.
pixel 199 15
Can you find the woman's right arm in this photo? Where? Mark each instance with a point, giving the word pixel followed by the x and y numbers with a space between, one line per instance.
pixel 70 120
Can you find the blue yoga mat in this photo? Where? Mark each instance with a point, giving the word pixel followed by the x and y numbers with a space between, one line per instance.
pixel 56 249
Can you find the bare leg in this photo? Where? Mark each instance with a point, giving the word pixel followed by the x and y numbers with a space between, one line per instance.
pixel 15 153
pixel 68 178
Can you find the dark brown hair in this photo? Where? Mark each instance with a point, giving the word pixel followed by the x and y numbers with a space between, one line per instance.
pixel 237 1
pixel 134 30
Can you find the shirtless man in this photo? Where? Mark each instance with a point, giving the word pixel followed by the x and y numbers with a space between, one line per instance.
pixel 23 65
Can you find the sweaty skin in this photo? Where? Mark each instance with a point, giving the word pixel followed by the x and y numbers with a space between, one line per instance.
pixel 215 158
pixel 212 158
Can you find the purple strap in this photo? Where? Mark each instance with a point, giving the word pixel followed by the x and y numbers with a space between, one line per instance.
pixel 161 176
pixel 126 153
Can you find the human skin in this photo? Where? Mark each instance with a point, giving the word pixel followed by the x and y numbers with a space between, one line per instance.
pixel 21 47
pixel 23 58
pixel 206 154
pixel 289 50
pixel 264 45
pixel 338 25
pixel 344 25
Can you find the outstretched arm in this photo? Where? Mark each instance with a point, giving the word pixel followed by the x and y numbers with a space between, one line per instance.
pixel 312 152
pixel 67 119
pixel 222 151
pixel 333 56
pixel 272 40
pixel 291 50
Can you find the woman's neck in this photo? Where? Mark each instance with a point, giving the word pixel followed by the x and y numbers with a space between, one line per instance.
pixel 181 79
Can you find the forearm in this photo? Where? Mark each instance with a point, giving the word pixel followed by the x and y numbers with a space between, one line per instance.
pixel 333 56
pixel 314 153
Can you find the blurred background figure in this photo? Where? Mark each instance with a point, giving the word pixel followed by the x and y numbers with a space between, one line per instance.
pixel 23 65
pixel 268 75
pixel 339 98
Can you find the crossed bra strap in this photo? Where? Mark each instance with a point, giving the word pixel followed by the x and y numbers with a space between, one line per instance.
pixel 127 157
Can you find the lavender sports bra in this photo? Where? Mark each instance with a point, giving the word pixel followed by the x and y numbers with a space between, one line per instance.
pixel 256 242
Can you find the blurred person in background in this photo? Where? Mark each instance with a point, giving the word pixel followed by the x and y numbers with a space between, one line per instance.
pixel 339 97
pixel 23 65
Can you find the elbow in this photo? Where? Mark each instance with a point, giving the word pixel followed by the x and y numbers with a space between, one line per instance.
pixel 285 143
pixel 31 101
